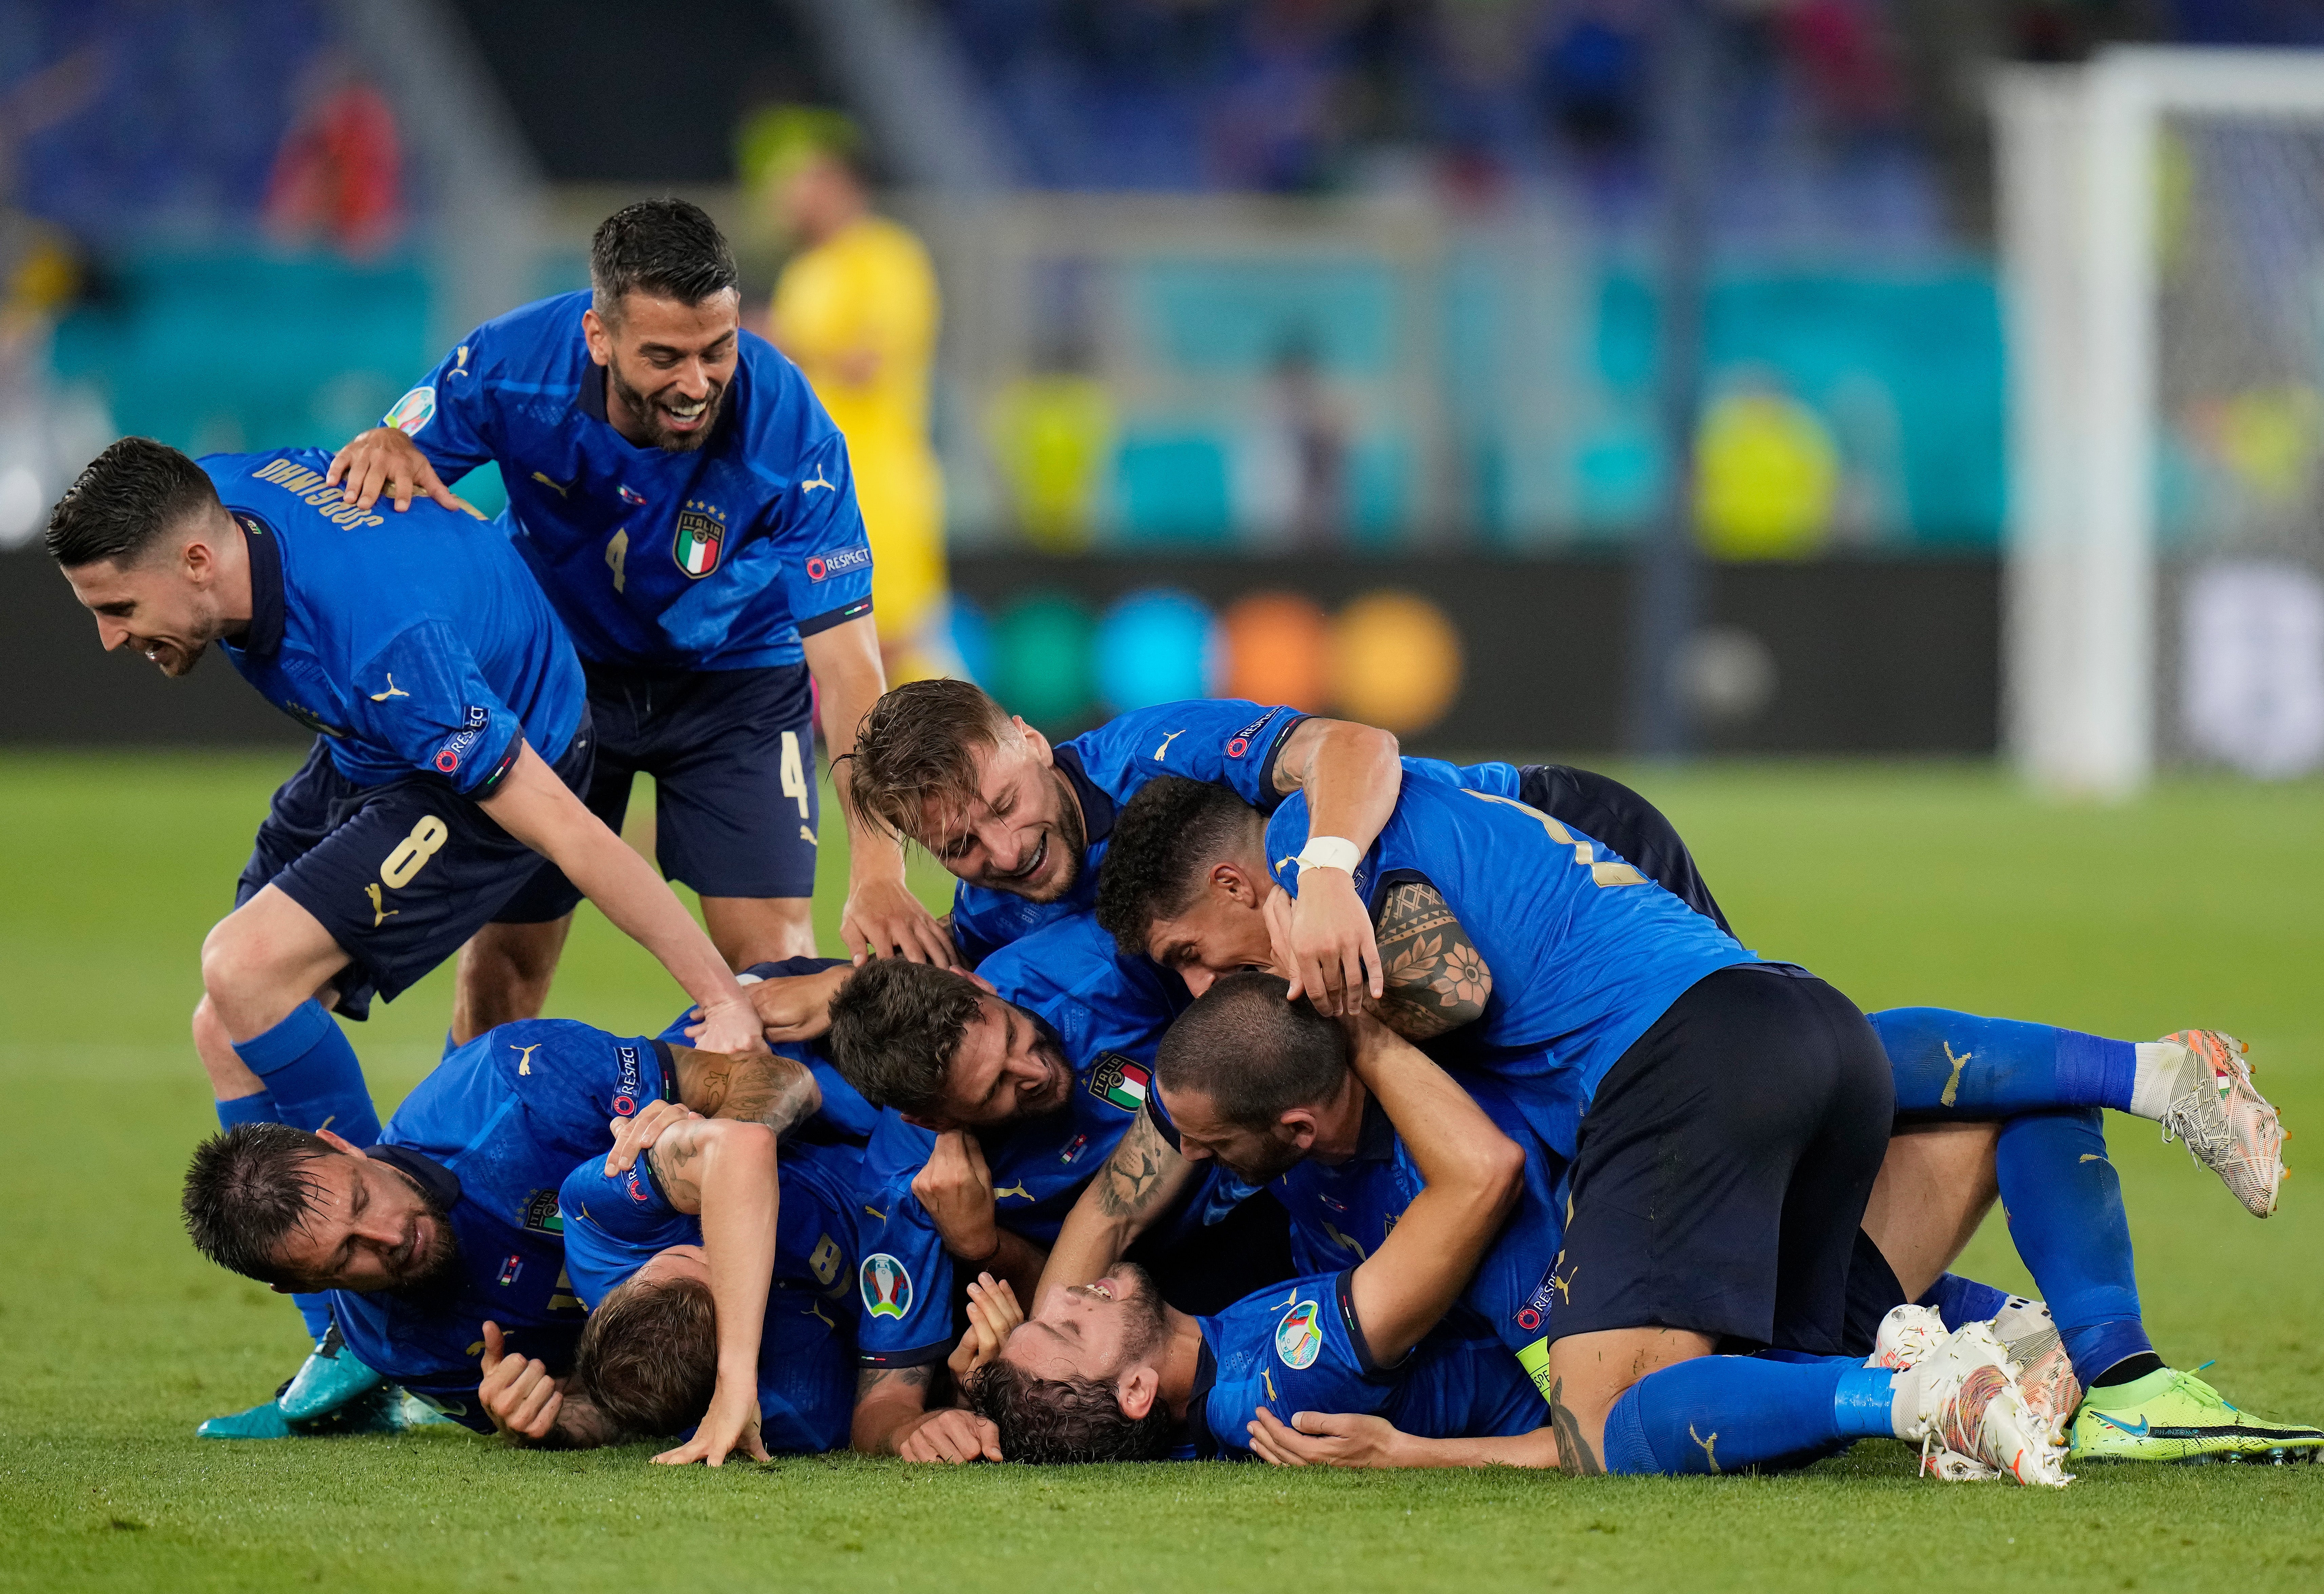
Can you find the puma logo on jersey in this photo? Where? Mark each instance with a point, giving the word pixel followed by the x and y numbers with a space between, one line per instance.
pixel 524 1056
pixel 392 691
pixel 1016 1189
pixel 379 912
pixel 1710 1458
pixel 1165 747
pixel 812 482
pixel 560 488
pixel 807 836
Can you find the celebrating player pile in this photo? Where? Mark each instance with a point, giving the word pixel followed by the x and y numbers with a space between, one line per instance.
pixel 1327 1106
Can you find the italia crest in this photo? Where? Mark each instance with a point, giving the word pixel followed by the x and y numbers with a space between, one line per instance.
pixel 887 1285
pixel 1119 1082
pixel 701 535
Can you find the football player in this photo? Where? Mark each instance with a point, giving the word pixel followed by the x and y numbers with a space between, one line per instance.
pixel 687 505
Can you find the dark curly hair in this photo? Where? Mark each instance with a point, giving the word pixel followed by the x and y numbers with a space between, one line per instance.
pixel 1165 838
pixel 1044 1422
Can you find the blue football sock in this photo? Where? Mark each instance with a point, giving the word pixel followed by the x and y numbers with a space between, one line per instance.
pixel 2063 1201
pixel 311 1069
pixel 1959 1064
pixel 260 1107
pixel 1722 1414
pixel 1959 1300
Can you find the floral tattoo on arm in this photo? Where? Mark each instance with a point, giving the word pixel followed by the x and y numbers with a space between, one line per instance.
pixel 1435 978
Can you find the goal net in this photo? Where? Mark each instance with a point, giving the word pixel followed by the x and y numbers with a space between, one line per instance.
pixel 2163 240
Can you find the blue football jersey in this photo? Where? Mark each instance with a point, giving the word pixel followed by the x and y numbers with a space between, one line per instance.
pixel 424 646
pixel 493 1132
pixel 1298 1347
pixel 1108 1016
pixel 1225 740
pixel 1585 951
pixel 716 558
pixel 615 1223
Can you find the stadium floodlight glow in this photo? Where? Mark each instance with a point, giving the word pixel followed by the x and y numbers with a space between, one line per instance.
pixel 2086 155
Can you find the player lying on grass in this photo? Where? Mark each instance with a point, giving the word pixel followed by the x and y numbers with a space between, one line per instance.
pixel 1262 1084
pixel 1001 1096
pixel 1188 879
pixel 721 1285
pixel 440 795
pixel 1102 1370
pixel 687 507
pixel 450 1219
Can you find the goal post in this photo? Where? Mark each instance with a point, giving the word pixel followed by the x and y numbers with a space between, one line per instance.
pixel 2160 214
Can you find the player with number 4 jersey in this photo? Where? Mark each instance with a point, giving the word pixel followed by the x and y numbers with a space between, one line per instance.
pixel 686 506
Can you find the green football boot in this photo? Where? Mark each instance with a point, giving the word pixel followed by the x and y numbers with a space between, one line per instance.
pixel 260 1421
pixel 326 1380
pixel 2175 1416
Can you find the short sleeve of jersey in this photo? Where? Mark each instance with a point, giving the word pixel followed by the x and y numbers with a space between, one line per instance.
pixel 903 1274
pixel 423 695
pixel 1224 740
pixel 615 1223
pixel 448 417
pixel 574 1079
pixel 1296 1349
pixel 825 571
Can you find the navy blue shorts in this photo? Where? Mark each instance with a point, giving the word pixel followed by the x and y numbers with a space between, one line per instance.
pixel 731 753
pixel 1722 1168
pixel 1605 810
pixel 401 873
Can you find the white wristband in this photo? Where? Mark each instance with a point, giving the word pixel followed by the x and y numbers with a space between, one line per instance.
pixel 1330 851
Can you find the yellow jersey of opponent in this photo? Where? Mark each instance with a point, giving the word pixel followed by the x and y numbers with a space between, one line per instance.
pixel 858 313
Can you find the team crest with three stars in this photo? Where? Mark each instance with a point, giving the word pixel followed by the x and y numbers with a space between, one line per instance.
pixel 701 534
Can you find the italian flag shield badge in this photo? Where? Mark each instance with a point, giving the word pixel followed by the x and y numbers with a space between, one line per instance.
pixel 700 535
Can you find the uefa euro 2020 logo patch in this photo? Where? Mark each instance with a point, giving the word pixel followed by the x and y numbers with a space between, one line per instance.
pixel 413 411
pixel 1299 1338
pixel 887 1285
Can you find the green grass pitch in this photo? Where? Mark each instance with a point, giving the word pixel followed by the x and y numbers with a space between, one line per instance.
pixel 1901 884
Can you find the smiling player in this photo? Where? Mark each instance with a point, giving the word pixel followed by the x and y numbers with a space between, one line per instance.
pixel 687 505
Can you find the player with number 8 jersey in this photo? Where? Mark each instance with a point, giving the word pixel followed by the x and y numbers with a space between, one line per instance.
pixel 686 506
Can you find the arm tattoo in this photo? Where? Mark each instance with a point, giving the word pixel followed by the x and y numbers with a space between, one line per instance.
pixel 1573 1454
pixel 776 1091
pixel 1435 978
pixel 672 1159
pixel 869 1379
pixel 1134 1172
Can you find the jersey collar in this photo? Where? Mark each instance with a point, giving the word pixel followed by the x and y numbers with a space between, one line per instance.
pixel 441 1183
pixel 263 637
pixel 1376 1136
pixel 1097 807
pixel 1205 1443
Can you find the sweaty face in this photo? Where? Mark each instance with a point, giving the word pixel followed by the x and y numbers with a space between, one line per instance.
pixel 1217 935
pixel 1007 1067
pixel 668 366
pixel 368 1227
pixel 1091 1330
pixel 156 607
pixel 1023 833
pixel 1256 1156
